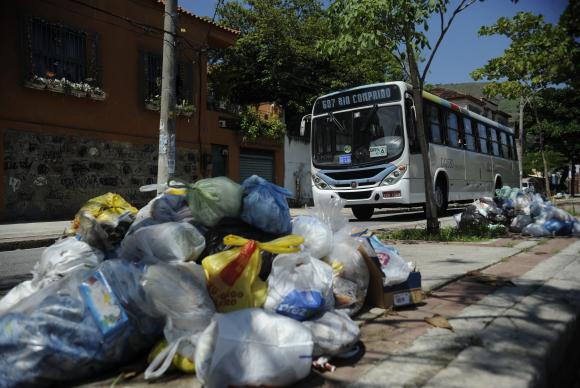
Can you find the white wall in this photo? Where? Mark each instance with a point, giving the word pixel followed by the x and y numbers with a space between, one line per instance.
pixel 297 161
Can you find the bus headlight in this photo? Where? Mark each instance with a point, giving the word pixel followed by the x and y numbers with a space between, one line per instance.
pixel 394 176
pixel 320 183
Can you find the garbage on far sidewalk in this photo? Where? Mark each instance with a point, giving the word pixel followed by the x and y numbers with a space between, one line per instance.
pixel 206 278
pixel 520 212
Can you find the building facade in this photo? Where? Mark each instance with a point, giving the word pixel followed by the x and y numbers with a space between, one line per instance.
pixel 79 100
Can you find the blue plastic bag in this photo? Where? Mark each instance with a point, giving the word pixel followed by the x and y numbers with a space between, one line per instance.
pixel 265 206
pixel 88 323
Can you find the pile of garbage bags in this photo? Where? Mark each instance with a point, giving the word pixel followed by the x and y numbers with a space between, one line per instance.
pixel 521 212
pixel 212 278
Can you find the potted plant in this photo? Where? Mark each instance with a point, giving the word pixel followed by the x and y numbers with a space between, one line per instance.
pixel 79 89
pixel 153 103
pixel 97 93
pixel 185 108
pixel 35 83
pixel 56 85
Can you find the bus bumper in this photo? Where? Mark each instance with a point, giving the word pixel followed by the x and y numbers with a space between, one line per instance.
pixel 381 196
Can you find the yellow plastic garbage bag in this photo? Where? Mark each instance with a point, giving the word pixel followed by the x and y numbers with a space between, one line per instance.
pixel 105 208
pixel 232 275
pixel 179 361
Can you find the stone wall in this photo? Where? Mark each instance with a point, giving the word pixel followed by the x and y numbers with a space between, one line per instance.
pixel 49 177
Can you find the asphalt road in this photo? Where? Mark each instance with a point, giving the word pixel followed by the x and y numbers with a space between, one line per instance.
pixel 15 267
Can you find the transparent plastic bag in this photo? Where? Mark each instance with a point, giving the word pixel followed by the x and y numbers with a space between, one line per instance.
pixel 178 293
pixel 168 242
pixel 333 332
pixel 329 211
pixel 396 269
pixel 299 286
pixel 265 206
pixel 57 261
pixel 536 229
pixel 253 347
pixel 232 275
pixel 351 281
pixel 318 236
pixel 79 327
pixel 520 222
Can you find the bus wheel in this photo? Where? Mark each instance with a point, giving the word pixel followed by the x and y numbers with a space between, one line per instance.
pixel 363 213
pixel 440 197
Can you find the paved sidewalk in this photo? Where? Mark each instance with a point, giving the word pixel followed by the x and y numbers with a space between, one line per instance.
pixel 30 235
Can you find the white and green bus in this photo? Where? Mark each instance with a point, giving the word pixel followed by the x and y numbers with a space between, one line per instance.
pixel 364 149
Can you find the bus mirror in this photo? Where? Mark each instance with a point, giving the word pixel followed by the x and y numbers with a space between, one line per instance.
pixel 305 124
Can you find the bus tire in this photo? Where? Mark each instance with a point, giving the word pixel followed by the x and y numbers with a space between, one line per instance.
pixel 363 212
pixel 441 199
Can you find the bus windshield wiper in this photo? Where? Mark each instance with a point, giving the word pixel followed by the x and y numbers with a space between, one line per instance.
pixel 337 123
pixel 369 116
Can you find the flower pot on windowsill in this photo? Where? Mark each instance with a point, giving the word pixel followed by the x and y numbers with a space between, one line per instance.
pixel 152 106
pixel 35 84
pixel 98 95
pixel 56 88
pixel 78 93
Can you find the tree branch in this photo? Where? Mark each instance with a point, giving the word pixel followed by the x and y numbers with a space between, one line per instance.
pixel 461 7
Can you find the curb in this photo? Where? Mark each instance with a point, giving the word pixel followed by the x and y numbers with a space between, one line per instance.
pixel 518 336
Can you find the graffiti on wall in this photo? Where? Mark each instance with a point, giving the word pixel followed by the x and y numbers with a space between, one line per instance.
pixel 52 176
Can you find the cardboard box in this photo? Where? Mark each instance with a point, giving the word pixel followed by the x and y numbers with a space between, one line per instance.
pixel 404 294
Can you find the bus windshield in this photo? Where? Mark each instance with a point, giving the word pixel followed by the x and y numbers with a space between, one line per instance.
pixel 365 136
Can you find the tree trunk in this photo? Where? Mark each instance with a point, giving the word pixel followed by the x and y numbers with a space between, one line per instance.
pixel 520 141
pixel 572 179
pixel 546 177
pixel 431 210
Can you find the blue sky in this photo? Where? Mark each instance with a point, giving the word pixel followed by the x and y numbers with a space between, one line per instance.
pixel 461 51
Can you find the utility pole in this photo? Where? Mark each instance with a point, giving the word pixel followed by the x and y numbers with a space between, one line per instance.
pixel 166 160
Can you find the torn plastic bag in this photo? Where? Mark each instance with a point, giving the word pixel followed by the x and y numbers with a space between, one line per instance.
pixel 520 222
pixel 212 199
pixel 299 286
pixel 318 236
pixel 332 332
pixel 351 281
pixel 233 281
pixel 57 261
pixel 168 242
pixel 79 327
pixel 265 206
pixel 253 347
pixel 178 293
pixel 396 269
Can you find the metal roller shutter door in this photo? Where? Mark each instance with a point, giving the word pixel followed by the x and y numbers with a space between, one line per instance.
pixel 256 163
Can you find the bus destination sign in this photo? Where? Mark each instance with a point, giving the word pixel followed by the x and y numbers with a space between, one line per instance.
pixel 359 97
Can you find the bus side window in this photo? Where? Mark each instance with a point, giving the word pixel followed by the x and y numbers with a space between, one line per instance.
pixel 495 148
pixel 453 139
pixel 482 136
pixel 505 148
pixel 469 135
pixel 414 147
pixel 433 124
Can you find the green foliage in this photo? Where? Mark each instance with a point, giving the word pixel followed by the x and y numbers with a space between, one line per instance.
pixel 446 234
pixel 275 59
pixel 533 161
pixel 538 54
pixel 255 127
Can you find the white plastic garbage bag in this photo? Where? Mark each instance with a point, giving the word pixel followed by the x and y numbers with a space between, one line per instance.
pixel 351 274
pixel 333 332
pixel 396 269
pixel 520 222
pixel 253 347
pixel 57 261
pixel 299 286
pixel 178 293
pixel 318 237
pixel 168 242
pixel 536 230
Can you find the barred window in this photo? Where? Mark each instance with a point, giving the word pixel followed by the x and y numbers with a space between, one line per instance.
pixel 152 67
pixel 57 51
